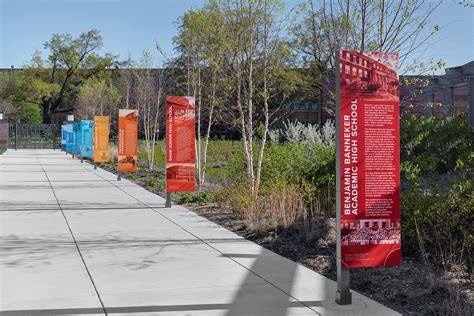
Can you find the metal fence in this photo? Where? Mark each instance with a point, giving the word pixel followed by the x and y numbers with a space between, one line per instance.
pixel 34 136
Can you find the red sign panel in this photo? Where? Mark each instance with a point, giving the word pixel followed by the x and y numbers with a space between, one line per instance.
pixel 180 144
pixel 369 159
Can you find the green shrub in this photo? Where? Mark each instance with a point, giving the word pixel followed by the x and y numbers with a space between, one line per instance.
pixel 435 145
pixel 440 221
pixel 195 197
pixel 288 162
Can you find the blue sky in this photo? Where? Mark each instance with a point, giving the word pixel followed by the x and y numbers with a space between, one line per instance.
pixel 130 26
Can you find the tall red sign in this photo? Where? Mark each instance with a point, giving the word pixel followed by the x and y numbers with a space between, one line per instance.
pixel 369 159
pixel 180 144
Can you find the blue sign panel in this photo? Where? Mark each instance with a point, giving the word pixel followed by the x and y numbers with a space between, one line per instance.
pixel 87 142
pixel 63 137
pixel 77 138
pixel 69 138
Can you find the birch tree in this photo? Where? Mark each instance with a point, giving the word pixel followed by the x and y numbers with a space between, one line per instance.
pixel 256 57
pixel 148 98
pixel 199 43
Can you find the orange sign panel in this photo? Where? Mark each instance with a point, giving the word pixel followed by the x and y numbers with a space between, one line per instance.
pixel 127 140
pixel 101 138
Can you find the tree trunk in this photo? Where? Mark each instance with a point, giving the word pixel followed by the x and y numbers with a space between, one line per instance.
pixel 208 132
pixel 46 113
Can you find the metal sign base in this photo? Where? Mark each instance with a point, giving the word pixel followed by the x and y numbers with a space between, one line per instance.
pixel 343 298
pixel 343 293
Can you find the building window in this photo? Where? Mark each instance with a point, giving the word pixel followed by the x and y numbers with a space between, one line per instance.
pixel 360 73
pixel 347 69
pixel 354 71
pixel 367 224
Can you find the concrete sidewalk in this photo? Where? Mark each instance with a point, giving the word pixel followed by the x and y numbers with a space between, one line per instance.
pixel 74 241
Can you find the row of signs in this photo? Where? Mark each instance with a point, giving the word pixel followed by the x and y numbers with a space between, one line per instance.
pixel 90 139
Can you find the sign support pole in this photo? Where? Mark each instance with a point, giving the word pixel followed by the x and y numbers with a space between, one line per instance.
pixel 168 200
pixel 16 136
pixel 168 194
pixel 343 293
pixel 119 177
pixel 95 165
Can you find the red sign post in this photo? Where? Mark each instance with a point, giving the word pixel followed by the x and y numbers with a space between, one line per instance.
pixel 180 144
pixel 368 161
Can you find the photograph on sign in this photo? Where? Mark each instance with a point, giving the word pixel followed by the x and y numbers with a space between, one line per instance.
pixel 127 140
pixel 101 138
pixel 369 159
pixel 180 144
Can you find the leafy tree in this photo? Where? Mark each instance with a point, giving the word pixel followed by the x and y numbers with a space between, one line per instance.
pixel 54 84
pixel 97 96
pixel 14 101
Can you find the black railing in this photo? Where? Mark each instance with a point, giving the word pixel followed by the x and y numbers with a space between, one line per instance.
pixel 34 136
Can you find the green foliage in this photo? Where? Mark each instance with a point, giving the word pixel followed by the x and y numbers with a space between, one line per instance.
pixel 437 196
pixel 435 145
pixel 195 197
pixel 97 96
pixel 295 164
pixel 54 84
pixel 29 113
pixel 160 154
pixel 444 220
pixel 287 162
pixel 221 150
pixel 237 197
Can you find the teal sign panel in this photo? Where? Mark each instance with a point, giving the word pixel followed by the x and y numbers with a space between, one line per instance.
pixel 69 138
pixel 63 137
pixel 76 127
pixel 87 141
